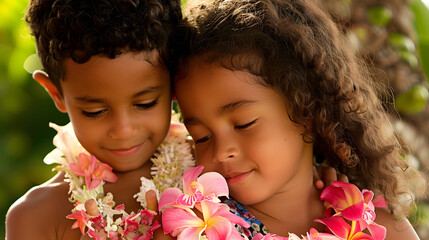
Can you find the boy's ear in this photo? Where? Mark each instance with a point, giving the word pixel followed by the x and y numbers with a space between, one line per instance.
pixel 43 79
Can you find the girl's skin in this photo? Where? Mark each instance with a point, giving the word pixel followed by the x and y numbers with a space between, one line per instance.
pixel 242 130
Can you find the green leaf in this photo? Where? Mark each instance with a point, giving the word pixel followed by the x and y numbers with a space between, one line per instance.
pixel 402 42
pixel 380 16
pixel 412 101
pixel 32 63
pixel 421 20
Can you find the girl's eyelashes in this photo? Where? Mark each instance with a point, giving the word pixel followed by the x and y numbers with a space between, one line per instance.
pixel 204 139
pixel 147 105
pixel 93 114
pixel 244 126
pixel 239 127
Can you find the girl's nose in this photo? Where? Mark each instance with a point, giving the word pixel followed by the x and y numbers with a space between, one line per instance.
pixel 123 127
pixel 225 149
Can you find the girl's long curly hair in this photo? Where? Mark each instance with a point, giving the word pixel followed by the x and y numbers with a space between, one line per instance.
pixel 297 50
pixel 80 29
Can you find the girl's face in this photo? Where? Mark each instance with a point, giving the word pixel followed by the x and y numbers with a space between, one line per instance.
pixel 120 108
pixel 242 130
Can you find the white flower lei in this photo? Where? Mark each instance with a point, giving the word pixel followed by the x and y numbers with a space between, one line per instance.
pixel 172 158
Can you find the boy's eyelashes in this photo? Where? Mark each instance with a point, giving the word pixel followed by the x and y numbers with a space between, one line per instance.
pixel 98 113
pixel 238 127
pixel 93 114
pixel 147 105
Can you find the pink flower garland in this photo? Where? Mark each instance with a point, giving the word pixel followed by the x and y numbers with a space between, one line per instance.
pixel 353 212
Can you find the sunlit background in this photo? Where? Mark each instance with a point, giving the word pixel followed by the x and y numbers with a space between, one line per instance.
pixel 392 34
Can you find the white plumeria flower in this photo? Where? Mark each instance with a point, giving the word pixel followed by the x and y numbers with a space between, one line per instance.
pixel 146 186
pixel 67 146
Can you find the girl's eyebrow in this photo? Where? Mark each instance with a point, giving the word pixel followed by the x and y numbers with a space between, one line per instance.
pixel 234 105
pixel 222 110
pixel 88 99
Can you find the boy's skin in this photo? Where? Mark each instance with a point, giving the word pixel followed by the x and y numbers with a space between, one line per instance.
pixel 120 111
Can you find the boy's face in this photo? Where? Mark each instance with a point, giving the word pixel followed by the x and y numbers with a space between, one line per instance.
pixel 242 130
pixel 120 108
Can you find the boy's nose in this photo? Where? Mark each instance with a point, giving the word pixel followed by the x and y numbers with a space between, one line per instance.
pixel 225 149
pixel 123 127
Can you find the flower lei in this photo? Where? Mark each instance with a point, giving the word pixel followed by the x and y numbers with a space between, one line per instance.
pixel 346 204
pixel 86 175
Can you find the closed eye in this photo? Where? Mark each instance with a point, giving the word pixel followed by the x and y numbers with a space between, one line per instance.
pixel 244 126
pixel 204 139
pixel 93 114
pixel 147 105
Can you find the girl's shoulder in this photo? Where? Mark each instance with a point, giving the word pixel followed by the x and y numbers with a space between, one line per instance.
pixel 396 229
pixel 41 212
pixel 255 225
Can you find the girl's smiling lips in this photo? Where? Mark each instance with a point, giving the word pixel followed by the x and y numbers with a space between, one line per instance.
pixel 126 151
pixel 235 177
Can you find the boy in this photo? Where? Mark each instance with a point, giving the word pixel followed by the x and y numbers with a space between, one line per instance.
pixel 105 64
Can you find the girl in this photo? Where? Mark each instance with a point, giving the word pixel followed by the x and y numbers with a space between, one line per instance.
pixel 267 86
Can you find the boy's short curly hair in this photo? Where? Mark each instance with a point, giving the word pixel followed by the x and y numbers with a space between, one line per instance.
pixel 80 29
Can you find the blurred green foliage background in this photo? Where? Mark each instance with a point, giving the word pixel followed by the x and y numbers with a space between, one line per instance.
pixel 26 109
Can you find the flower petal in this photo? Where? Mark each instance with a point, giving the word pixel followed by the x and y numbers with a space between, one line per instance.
pixel 168 197
pixel 190 234
pixel 367 195
pixel 218 228
pixel 354 212
pixel 214 183
pixel 343 195
pixel 377 231
pixel 223 211
pixel 337 225
pixel 191 176
pixel 361 236
pixel 176 220
pixel 379 201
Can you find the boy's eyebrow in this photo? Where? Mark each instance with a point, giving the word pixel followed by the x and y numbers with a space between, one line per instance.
pixel 148 90
pixel 99 100
pixel 222 110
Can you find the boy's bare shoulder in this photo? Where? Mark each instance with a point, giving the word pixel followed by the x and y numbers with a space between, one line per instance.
pixel 396 229
pixel 41 213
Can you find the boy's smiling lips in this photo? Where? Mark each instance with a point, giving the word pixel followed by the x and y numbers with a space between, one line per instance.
pixel 127 151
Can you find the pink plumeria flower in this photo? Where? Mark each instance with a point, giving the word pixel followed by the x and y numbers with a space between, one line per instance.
pixel 218 222
pixel 82 219
pixel 269 236
pixel 93 170
pixel 344 198
pixel 313 235
pixel 368 216
pixel 342 230
pixel 208 186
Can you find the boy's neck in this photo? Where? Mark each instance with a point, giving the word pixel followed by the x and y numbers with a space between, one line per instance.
pixel 293 210
pixel 127 185
pixel 136 174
